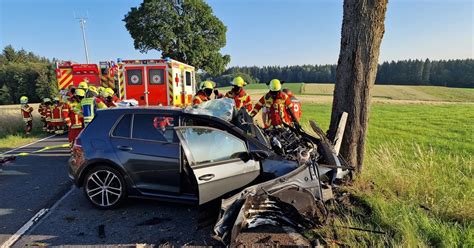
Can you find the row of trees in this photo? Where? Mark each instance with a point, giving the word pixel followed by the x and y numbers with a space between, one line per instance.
pixel 451 73
pixel 24 73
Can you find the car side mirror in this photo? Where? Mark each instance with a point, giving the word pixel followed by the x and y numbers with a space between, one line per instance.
pixel 254 155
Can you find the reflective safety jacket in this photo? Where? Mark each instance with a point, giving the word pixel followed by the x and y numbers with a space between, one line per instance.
pixel 88 106
pixel 200 97
pixel 57 113
pixel 276 109
pixel 99 101
pixel 242 99
pixel 26 112
pixel 72 115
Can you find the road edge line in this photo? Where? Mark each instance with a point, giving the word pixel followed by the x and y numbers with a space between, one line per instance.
pixel 23 146
pixel 36 219
pixel 24 228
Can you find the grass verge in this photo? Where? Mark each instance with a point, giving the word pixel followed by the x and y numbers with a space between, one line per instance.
pixel 12 128
pixel 417 185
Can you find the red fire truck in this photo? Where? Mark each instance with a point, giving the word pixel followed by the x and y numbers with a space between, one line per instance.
pixel 164 82
pixel 69 73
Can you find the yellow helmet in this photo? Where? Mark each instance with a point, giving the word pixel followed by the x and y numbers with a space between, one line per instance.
pixel 238 81
pixel 275 85
pixel 23 99
pixel 80 92
pixel 100 89
pixel 108 92
pixel 45 100
pixel 207 85
pixel 83 85
pixel 56 99
pixel 93 89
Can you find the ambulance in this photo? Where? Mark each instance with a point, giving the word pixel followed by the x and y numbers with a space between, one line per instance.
pixel 156 82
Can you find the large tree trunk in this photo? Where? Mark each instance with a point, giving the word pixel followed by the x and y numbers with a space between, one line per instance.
pixel 362 32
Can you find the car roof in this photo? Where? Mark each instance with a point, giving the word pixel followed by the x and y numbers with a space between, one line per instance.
pixel 141 109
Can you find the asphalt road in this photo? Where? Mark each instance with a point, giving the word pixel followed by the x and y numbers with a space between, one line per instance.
pixel 31 183
pixel 40 181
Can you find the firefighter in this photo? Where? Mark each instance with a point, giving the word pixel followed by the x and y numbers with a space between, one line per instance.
pixel 296 103
pixel 89 105
pixel 57 120
pixel 27 114
pixel 72 115
pixel 47 115
pixel 42 111
pixel 204 92
pixel 83 86
pixel 241 98
pixel 110 98
pixel 276 104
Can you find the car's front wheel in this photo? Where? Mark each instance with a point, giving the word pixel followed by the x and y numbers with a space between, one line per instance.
pixel 105 187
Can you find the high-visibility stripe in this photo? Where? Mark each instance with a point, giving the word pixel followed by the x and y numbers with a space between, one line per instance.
pixel 66 82
pixel 66 78
pixel 121 81
pixel 170 87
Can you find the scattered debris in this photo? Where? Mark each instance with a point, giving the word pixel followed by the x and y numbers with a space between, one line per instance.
pixel 153 221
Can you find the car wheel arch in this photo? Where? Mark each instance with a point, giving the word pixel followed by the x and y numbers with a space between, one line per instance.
pixel 95 163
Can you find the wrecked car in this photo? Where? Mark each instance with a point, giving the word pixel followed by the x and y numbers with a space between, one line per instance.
pixel 197 155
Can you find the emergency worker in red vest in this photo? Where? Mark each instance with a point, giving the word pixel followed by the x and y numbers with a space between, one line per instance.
pixel 42 111
pixel 276 104
pixel 73 116
pixel 27 114
pixel 57 120
pixel 241 98
pixel 204 92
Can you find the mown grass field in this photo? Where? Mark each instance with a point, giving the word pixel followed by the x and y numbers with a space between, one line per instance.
pixel 418 182
pixel 12 127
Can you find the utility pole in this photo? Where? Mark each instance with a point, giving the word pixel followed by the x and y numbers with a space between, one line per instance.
pixel 82 21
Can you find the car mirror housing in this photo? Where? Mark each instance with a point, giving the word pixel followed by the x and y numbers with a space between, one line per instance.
pixel 259 155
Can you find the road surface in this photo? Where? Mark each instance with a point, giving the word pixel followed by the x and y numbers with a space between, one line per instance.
pixel 37 182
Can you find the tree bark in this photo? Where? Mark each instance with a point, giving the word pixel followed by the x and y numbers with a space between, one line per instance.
pixel 361 36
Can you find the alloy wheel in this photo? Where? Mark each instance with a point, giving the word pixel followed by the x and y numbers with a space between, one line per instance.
pixel 104 188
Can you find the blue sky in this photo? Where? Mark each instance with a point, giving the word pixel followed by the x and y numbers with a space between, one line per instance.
pixel 260 32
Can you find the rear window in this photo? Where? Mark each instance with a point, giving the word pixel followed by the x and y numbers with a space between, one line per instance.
pixel 123 127
pixel 134 76
pixel 156 76
pixel 154 127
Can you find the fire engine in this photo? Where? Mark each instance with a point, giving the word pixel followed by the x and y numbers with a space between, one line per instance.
pixel 163 82
pixel 69 73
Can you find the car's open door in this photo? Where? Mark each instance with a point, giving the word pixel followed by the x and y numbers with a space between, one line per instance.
pixel 213 156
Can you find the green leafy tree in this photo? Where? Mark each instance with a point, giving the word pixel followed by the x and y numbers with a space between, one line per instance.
pixel 185 30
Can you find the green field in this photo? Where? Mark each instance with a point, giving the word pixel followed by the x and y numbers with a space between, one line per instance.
pixel 418 178
pixel 388 92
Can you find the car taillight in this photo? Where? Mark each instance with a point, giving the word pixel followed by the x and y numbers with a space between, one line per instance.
pixel 77 156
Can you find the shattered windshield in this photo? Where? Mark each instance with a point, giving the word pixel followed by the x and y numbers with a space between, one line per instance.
pixel 222 108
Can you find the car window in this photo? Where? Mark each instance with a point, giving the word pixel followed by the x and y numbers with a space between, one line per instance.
pixel 211 145
pixel 123 127
pixel 154 127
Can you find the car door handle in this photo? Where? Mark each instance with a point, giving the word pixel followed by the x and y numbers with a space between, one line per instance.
pixel 125 148
pixel 206 177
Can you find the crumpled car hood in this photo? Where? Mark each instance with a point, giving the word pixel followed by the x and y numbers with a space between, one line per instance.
pixel 292 200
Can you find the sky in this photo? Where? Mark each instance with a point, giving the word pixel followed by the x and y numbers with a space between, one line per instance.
pixel 259 32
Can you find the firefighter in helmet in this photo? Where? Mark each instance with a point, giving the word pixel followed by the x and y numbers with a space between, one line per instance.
pixel 109 98
pixel 241 98
pixel 83 86
pixel 27 114
pixel 73 116
pixel 57 120
pixel 204 92
pixel 276 105
pixel 89 105
pixel 43 111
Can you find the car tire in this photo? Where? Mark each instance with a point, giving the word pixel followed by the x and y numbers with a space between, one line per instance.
pixel 105 187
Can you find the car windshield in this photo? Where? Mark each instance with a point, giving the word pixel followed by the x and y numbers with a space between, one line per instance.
pixel 222 108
